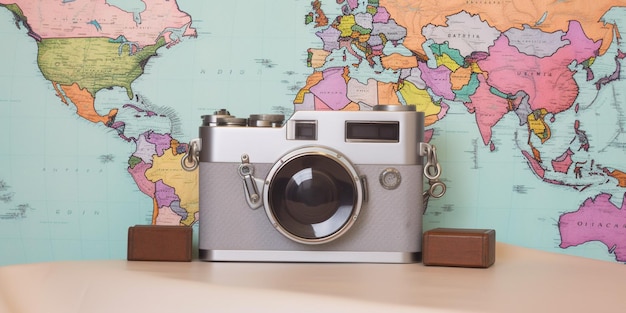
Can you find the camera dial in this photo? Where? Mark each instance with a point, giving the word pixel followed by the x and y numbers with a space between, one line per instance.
pixel 390 178
pixel 231 121
pixel 394 108
pixel 212 119
pixel 266 120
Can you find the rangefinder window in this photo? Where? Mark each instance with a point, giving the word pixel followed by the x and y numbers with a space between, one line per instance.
pixel 306 130
pixel 302 130
pixel 373 131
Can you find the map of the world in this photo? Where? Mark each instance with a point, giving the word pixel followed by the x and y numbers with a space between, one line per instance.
pixel 525 101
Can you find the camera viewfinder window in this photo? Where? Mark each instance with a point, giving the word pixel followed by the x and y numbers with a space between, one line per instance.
pixel 373 131
pixel 306 130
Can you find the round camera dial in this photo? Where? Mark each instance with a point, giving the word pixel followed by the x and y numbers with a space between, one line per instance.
pixel 390 178
pixel 394 108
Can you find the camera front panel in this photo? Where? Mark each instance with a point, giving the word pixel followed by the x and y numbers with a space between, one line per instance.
pixel 387 229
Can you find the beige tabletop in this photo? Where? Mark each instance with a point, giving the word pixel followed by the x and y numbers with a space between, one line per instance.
pixel 521 280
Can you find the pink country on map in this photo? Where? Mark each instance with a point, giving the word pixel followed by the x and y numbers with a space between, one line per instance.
pixel 597 219
pixel 331 90
pixel 139 22
pixel 547 81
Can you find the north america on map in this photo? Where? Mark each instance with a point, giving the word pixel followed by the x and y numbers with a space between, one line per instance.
pixel 87 46
pixel 553 68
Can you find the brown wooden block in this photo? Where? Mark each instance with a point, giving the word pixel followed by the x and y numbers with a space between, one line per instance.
pixel 459 247
pixel 159 243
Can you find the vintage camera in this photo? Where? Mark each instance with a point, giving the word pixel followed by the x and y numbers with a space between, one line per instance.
pixel 324 186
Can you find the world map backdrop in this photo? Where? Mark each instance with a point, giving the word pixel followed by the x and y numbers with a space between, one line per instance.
pixel 524 100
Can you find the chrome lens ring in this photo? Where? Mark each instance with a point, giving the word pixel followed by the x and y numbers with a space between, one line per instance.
pixel 313 195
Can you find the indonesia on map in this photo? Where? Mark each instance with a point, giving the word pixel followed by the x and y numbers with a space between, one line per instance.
pixel 524 99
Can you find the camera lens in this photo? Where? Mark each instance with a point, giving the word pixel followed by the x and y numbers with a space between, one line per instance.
pixel 312 197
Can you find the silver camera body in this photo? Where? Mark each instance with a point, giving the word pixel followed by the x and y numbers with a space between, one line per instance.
pixel 324 186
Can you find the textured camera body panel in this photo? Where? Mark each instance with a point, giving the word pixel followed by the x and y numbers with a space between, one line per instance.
pixel 390 221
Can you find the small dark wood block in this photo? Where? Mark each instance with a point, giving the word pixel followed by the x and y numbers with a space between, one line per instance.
pixel 459 247
pixel 159 243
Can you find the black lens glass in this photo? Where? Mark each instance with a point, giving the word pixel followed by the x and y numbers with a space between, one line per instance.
pixel 312 196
